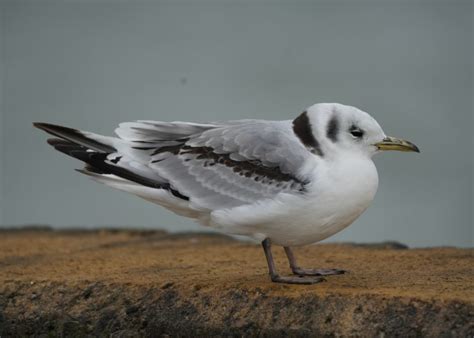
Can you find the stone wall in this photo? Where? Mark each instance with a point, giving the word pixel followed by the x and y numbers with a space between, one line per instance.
pixel 152 283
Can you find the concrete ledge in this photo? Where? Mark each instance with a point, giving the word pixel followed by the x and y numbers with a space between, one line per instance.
pixel 123 283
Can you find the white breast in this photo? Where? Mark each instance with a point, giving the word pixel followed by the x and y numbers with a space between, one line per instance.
pixel 340 191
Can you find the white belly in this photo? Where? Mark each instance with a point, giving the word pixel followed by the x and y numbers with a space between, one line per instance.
pixel 339 193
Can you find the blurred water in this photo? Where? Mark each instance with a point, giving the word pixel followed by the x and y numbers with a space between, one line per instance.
pixel 92 65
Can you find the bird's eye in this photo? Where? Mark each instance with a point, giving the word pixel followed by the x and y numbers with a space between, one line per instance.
pixel 356 132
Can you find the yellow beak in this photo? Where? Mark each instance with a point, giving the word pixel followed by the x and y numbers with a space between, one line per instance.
pixel 392 143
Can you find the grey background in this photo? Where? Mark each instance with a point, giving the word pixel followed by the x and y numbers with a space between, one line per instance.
pixel 93 64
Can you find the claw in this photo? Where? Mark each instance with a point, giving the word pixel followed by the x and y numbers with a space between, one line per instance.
pixel 297 280
pixel 317 272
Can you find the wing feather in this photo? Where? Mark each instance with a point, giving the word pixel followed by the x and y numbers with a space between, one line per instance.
pixel 232 165
pixel 204 167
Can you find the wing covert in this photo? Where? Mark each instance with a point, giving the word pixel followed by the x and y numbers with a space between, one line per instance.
pixel 232 165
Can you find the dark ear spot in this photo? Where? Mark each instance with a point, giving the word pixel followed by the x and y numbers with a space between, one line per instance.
pixel 332 129
pixel 302 129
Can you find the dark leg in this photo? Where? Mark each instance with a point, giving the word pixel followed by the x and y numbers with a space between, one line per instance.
pixel 308 272
pixel 284 279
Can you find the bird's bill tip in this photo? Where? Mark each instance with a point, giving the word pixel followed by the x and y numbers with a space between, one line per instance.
pixel 393 143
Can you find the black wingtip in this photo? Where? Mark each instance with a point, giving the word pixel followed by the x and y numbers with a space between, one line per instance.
pixel 41 125
pixel 75 136
pixel 53 141
pixel 53 128
pixel 59 142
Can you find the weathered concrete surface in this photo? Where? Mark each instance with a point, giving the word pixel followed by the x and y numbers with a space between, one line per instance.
pixel 151 283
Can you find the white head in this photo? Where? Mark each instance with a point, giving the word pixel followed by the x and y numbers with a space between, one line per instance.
pixel 333 128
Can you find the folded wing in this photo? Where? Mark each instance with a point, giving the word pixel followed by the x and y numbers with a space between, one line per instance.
pixel 232 165
pixel 198 166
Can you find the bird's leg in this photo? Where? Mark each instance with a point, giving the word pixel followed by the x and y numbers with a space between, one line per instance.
pixel 266 244
pixel 308 272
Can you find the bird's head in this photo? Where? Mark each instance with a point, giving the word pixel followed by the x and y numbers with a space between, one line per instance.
pixel 333 128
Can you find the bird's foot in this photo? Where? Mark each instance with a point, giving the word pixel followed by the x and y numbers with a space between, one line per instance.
pixel 317 272
pixel 297 279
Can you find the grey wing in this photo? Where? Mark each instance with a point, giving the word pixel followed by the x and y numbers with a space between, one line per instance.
pixel 191 167
pixel 232 165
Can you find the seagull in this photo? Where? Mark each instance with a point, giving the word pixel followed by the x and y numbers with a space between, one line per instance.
pixel 289 183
